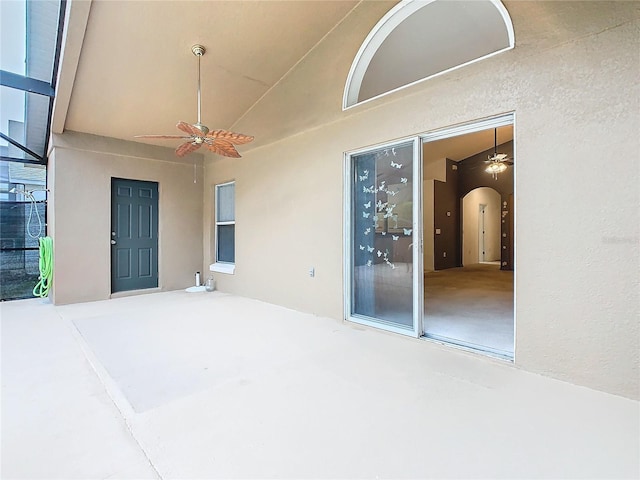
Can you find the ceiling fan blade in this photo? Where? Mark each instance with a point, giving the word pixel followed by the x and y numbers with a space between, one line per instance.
pixel 188 128
pixel 187 147
pixel 223 147
pixel 231 137
pixel 161 136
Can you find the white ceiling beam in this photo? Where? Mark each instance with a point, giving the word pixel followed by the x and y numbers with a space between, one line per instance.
pixel 77 16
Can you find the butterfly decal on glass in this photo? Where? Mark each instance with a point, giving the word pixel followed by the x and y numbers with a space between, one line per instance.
pixel 407 231
pixel 371 189
pixel 367 231
pixel 382 185
pixel 365 176
pixel 403 180
pixel 366 214
pixel 392 193
pixel 395 237
pixel 381 205
pixel 361 247
pixel 370 249
pixel 369 263
pixel 368 204
pixel 379 253
pixel 384 233
pixel 396 165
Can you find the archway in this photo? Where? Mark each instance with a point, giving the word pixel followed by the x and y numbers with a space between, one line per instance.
pixel 481 226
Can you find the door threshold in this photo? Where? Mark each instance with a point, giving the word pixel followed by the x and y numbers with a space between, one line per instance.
pixel 470 347
pixel 131 293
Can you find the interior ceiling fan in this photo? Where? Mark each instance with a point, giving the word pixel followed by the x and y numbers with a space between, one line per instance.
pixel 218 141
pixel 496 162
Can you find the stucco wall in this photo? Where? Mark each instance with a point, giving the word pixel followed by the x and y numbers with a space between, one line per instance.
pixel 572 83
pixel 80 170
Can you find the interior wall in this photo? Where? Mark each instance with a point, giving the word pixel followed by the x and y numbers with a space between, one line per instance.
pixel 431 170
pixel 428 226
pixel 446 214
pixel 80 171
pixel 572 83
pixel 471 225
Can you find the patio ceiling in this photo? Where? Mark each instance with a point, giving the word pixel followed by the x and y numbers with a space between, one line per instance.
pixel 127 68
pixel 136 73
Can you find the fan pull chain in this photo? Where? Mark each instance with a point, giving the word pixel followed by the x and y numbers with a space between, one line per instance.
pixel 195 172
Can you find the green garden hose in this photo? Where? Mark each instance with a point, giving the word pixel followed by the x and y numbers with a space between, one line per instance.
pixel 46 267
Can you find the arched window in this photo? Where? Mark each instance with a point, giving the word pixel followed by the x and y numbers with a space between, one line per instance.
pixel 417 40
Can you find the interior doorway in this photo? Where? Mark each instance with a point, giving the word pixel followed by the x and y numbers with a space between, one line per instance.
pixel 481 233
pixel 469 237
pixel 480 213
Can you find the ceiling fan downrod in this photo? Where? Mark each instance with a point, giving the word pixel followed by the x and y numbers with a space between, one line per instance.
pixel 196 135
pixel 199 51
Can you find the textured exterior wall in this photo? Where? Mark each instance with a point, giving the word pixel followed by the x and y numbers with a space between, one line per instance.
pixel 572 83
pixel 81 168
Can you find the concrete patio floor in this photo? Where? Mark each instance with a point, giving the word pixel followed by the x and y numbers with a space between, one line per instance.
pixel 208 385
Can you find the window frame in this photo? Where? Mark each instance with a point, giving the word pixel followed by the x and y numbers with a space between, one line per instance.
pixel 385 26
pixel 219 265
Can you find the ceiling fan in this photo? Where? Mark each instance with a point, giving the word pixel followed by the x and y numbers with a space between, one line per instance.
pixel 496 162
pixel 218 141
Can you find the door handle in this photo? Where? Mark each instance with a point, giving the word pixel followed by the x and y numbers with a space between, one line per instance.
pixel 113 242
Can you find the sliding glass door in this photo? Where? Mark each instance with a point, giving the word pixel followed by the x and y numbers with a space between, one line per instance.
pixel 383 244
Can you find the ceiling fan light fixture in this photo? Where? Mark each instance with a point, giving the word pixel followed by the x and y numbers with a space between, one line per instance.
pixel 496 161
pixel 495 168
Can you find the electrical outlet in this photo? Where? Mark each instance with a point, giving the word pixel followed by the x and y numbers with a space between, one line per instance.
pixel 312 272
pixel 444 254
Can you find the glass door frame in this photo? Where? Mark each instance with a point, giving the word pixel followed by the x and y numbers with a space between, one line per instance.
pixel 504 119
pixel 417 251
pixel 419 140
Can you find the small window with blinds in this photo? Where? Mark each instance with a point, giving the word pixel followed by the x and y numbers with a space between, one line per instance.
pixel 225 220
